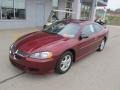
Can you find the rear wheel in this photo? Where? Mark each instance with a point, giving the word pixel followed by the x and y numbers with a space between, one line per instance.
pixel 102 45
pixel 65 62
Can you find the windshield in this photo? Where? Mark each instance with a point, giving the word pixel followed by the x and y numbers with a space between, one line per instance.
pixel 67 30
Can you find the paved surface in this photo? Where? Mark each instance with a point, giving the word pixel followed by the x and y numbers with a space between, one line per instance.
pixel 98 71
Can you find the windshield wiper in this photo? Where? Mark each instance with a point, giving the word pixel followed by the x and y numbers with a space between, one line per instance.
pixel 49 32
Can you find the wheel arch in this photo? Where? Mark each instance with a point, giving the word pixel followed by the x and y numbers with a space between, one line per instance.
pixel 73 52
pixel 105 38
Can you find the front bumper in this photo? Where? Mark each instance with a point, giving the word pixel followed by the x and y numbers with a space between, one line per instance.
pixel 33 65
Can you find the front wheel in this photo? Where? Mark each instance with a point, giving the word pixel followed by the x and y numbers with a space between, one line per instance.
pixel 65 62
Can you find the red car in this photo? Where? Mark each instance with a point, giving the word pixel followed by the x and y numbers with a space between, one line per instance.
pixel 57 46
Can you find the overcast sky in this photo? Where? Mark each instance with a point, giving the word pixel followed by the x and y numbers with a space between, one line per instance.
pixel 113 4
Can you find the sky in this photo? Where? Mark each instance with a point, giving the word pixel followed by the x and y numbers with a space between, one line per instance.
pixel 113 4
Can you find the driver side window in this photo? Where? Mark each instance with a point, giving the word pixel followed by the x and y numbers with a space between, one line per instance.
pixel 88 30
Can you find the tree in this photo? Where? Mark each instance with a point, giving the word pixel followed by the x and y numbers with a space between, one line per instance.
pixel 117 10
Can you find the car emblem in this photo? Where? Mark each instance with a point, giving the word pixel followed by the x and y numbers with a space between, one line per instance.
pixel 14 57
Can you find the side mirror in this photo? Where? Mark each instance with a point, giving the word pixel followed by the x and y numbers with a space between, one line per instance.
pixel 83 36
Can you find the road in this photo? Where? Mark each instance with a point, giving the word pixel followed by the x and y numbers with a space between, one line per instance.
pixel 98 71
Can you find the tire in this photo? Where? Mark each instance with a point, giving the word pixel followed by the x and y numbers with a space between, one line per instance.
pixel 65 63
pixel 102 45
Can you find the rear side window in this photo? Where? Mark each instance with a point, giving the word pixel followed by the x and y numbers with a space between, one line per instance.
pixel 97 27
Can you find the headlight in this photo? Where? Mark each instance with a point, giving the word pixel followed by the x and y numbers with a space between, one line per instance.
pixel 41 55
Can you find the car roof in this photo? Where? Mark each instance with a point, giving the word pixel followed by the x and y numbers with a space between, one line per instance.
pixel 77 21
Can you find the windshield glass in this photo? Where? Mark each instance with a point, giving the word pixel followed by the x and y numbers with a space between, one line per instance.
pixel 67 30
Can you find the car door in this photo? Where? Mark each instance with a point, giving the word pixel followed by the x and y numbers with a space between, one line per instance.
pixel 99 33
pixel 87 44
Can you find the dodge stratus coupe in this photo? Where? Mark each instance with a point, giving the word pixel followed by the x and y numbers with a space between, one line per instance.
pixel 58 46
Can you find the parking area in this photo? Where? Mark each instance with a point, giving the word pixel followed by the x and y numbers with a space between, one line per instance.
pixel 98 71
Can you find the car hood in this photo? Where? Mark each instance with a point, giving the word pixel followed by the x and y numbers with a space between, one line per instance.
pixel 37 40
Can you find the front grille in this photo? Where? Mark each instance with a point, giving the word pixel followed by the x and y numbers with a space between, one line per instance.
pixel 13 49
pixel 18 57
pixel 18 52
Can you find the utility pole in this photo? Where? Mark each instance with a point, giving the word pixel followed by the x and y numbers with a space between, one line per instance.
pixel 78 13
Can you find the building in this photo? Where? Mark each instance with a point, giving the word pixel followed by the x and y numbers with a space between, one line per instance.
pixel 35 13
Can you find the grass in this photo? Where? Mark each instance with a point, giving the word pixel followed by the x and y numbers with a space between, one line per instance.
pixel 114 20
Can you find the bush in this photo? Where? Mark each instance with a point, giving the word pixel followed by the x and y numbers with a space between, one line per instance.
pixel 113 20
